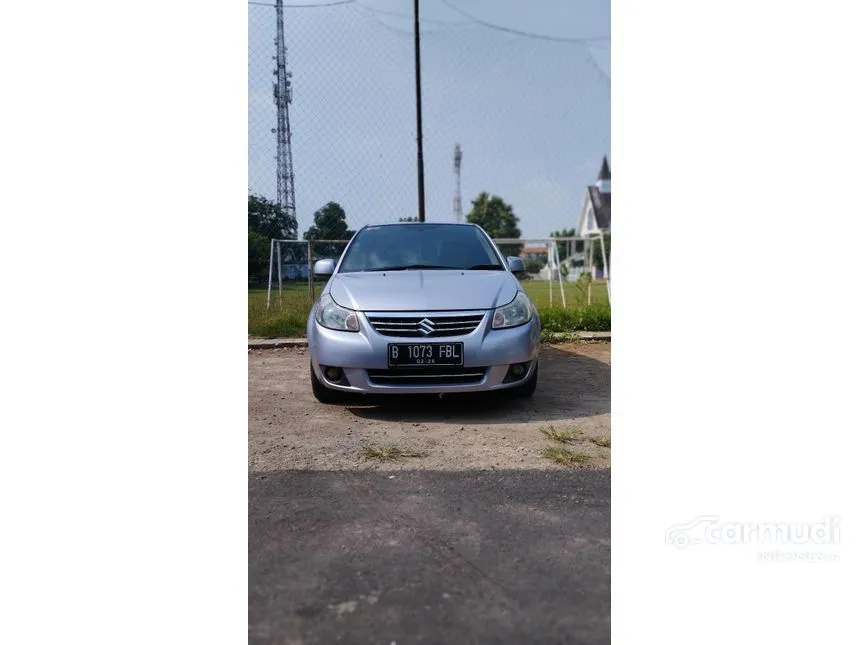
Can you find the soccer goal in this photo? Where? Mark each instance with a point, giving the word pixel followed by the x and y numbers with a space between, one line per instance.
pixel 563 263
pixel 291 263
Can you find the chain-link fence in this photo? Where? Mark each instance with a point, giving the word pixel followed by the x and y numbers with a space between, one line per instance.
pixel 561 274
pixel 554 269
pixel 531 115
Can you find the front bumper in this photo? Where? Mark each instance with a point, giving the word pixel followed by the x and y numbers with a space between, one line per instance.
pixel 493 350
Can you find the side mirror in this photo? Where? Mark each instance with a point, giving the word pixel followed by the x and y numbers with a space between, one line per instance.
pixel 516 265
pixel 323 267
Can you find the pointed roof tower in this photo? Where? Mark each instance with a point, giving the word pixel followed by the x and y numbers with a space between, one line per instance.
pixel 604 170
pixel 604 177
pixel 596 212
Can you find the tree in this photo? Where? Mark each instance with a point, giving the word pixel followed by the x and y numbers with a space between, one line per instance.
pixel 329 224
pixel 562 246
pixel 266 221
pixel 497 218
pixel 258 252
pixel 269 220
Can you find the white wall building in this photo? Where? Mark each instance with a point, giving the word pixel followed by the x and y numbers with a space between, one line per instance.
pixel 595 214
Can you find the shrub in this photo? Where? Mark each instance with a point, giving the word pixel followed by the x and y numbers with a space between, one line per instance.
pixel 588 318
pixel 534 266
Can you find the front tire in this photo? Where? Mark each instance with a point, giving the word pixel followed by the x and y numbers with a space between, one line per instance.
pixel 322 393
pixel 525 390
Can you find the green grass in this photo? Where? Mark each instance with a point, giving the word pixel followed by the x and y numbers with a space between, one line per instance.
pixel 575 294
pixel 603 442
pixel 389 452
pixel 563 456
pixel 287 317
pixel 562 436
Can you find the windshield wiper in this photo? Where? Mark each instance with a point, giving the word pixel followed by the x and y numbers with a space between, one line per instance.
pixel 486 267
pixel 406 267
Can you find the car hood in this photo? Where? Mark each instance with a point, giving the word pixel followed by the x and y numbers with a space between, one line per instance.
pixel 415 290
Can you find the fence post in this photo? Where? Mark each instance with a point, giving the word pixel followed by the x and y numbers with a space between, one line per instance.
pixel 310 272
pixel 605 268
pixel 590 249
pixel 560 281
pixel 271 262
pixel 549 268
pixel 280 275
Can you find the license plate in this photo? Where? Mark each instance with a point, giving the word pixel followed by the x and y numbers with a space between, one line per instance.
pixel 400 354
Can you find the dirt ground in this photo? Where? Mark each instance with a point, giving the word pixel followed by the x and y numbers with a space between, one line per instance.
pixel 289 429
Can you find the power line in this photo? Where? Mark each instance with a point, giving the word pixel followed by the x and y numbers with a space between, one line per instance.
pixel 593 62
pixel 405 17
pixel 370 14
pixel 472 19
pixel 585 43
pixel 517 32
pixel 303 6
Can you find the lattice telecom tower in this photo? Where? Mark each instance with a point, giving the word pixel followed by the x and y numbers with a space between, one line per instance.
pixel 283 92
pixel 458 204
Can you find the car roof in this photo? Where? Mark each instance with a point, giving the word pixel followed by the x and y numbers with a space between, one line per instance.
pixel 424 223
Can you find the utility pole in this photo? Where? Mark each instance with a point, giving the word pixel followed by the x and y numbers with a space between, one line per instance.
pixel 418 114
pixel 458 204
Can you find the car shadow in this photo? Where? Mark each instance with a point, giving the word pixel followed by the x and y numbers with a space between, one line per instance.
pixel 571 385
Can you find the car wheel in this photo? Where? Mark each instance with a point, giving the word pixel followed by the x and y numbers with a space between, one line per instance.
pixel 322 393
pixel 525 390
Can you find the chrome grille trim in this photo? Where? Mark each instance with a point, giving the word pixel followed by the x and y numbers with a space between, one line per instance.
pixel 432 325
pixel 436 376
pixel 427 376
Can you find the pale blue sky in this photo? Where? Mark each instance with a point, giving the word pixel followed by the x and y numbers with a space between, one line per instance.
pixel 532 116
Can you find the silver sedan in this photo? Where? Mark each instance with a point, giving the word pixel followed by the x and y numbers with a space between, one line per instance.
pixel 422 308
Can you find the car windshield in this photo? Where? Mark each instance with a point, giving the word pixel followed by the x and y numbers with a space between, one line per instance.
pixel 420 246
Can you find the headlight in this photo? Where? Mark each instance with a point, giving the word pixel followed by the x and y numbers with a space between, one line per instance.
pixel 517 312
pixel 332 315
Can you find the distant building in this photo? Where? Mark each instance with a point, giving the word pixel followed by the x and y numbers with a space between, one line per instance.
pixel 595 215
pixel 532 253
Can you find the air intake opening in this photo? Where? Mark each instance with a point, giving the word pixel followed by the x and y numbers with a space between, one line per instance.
pixel 427 376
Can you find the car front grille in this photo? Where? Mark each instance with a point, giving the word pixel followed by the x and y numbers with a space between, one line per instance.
pixel 425 326
pixel 427 376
